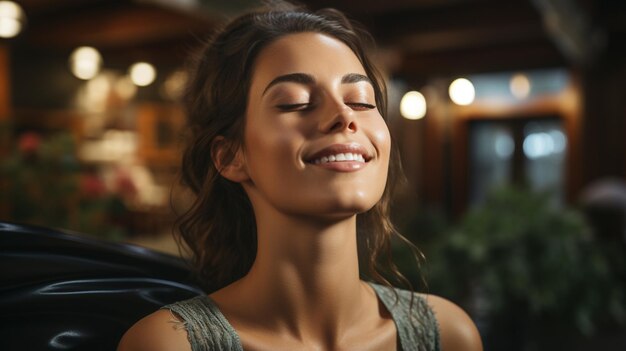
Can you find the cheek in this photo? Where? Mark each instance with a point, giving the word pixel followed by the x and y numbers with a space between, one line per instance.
pixel 271 149
pixel 381 138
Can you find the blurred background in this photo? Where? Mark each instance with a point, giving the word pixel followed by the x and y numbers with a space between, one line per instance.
pixel 510 117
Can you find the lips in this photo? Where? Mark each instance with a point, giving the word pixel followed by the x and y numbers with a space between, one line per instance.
pixel 352 152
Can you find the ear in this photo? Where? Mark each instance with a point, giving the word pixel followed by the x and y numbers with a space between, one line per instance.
pixel 228 162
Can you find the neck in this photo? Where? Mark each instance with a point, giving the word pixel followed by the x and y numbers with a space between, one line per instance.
pixel 306 276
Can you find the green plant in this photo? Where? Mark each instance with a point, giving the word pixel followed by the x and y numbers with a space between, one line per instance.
pixel 523 264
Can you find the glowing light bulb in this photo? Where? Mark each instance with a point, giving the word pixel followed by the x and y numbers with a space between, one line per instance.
pixel 413 105
pixel 142 74
pixel 85 62
pixel 11 19
pixel 462 92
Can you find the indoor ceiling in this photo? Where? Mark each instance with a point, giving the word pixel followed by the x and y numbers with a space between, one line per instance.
pixel 447 37
pixel 123 30
pixel 420 38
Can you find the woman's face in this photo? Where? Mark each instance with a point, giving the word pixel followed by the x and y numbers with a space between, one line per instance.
pixel 315 143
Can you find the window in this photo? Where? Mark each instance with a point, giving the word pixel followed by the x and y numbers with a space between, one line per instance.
pixel 528 151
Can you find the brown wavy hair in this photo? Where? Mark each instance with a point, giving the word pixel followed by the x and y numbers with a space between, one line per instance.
pixel 219 227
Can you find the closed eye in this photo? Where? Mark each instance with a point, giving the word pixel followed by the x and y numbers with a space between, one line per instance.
pixel 360 106
pixel 357 106
pixel 294 107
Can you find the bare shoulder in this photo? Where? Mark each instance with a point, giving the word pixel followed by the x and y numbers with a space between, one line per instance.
pixel 458 331
pixel 159 331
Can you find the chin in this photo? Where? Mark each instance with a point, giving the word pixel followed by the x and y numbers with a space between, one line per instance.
pixel 332 204
pixel 346 207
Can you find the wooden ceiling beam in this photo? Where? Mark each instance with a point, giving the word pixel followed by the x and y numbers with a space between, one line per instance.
pixel 37 9
pixel 466 15
pixel 360 8
pixel 115 26
pixel 477 60
pixel 467 38
pixel 172 53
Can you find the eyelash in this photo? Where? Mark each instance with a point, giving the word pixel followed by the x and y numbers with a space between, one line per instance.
pixel 294 107
pixel 360 106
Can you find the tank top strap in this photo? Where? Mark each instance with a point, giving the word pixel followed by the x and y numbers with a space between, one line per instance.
pixel 417 325
pixel 207 328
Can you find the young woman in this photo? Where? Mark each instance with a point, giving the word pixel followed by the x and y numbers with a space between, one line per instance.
pixel 291 162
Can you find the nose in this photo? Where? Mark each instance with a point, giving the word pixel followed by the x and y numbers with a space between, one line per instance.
pixel 338 118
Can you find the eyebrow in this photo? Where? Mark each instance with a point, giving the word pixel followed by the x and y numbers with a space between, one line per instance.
pixel 307 79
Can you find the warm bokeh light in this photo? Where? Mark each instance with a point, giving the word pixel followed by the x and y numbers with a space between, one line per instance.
pixel 413 105
pixel 94 94
pixel 85 62
pixel 125 88
pixel 11 19
pixel 462 92
pixel 520 86
pixel 142 74
pixel 173 86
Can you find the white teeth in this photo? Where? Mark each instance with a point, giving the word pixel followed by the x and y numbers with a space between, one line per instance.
pixel 339 158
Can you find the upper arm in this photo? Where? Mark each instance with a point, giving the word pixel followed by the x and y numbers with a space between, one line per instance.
pixel 456 328
pixel 156 332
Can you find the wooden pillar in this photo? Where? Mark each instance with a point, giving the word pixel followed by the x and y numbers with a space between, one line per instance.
pixel 5 113
pixel 604 120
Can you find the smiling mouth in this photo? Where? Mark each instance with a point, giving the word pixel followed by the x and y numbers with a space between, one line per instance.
pixel 340 157
pixel 349 154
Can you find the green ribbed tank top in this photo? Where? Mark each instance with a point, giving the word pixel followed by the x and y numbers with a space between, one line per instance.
pixel 208 329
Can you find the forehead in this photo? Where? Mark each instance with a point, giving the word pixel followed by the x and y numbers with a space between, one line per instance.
pixel 317 54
